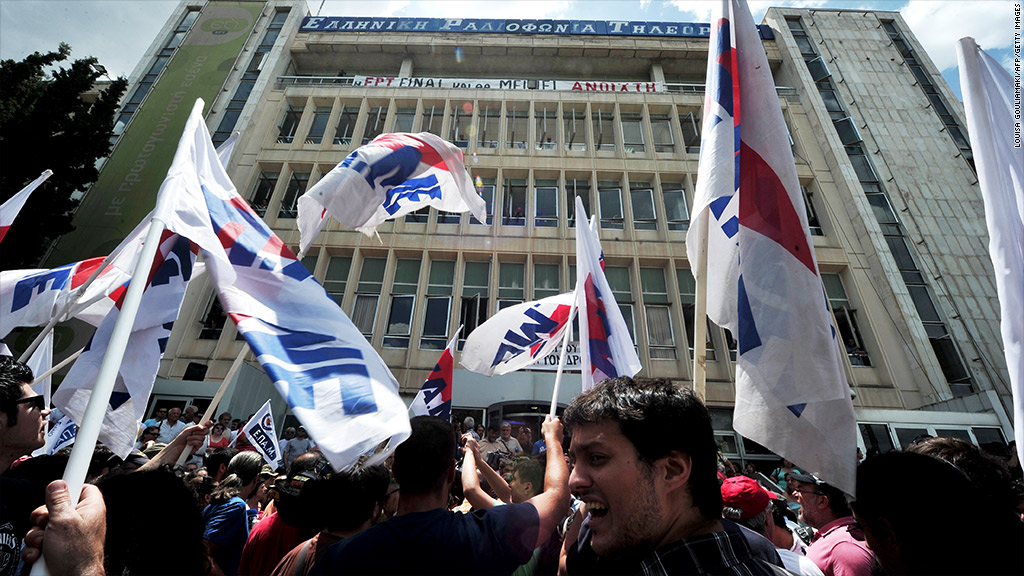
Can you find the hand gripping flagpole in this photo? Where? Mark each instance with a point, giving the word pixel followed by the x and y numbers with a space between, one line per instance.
pixel 92 421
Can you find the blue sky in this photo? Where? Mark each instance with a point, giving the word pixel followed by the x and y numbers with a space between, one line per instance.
pixel 118 31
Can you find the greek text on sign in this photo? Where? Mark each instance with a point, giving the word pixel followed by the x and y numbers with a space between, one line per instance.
pixel 549 363
pixel 507 84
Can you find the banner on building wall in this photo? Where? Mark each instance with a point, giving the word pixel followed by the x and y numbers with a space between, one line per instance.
pixel 127 185
pixel 488 26
pixel 506 84
pixel 549 363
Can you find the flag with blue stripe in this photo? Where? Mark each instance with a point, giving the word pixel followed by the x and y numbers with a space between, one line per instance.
pixel 335 382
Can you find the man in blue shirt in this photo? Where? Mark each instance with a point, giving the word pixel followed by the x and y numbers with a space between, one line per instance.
pixel 227 525
pixel 425 538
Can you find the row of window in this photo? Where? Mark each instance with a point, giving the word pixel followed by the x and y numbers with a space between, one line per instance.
pixel 938 335
pixel 155 69
pixel 261 54
pixel 364 288
pixel 646 203
pixel 486 126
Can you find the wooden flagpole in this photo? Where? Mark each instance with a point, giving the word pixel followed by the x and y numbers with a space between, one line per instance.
pixel 700 317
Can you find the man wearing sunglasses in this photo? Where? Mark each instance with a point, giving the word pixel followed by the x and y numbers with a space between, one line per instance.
pixel 22 413
pixel 838 547
pixel 22 429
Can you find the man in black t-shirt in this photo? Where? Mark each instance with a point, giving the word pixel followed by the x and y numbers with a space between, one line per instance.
pixel 426 538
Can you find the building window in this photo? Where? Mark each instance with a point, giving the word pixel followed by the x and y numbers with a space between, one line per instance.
pixel 689 123
pixel 263 191
pixel 622 290
pixel 346 124
pixel 546 127
pixel 516 128
pixel 404 119
pixel 296 187
pixel 461 121
pixel 337 277
pixel 664 140
pixel 439 303
pixel 641 198
pixel 431 120
pixel 546 280
pixel 513 202
pixel 289 124
pixel 368 291
pixel 403 303
pixel 319 125
pixel 420 216
pixel 574 188
pixel 661 342
pixel 604 129
pixel 475 297
pixel 486 191
pixel 846 320
pixel 687 297
pixel 488 128
pixel 375 118
pixel 812 214
pixel 673 194
pixel 213 321
pixel 575 129
pixel 609 195
pixel 545 202
pixel 633 133
pixel 511 284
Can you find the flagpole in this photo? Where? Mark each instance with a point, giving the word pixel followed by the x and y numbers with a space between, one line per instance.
pixel 212 408
pixel 561 358
pixel 51 371
pixel 92 420
pixel 700 317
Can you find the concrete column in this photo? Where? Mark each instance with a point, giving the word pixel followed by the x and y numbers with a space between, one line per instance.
pixel 657 73
pixel 406 70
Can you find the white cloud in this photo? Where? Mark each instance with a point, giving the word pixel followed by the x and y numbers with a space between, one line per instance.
pixel 938 26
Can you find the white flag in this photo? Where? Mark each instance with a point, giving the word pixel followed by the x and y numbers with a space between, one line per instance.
pixel 435 396
pixel 762 276
pixel 261 433
pixel 517 336
pixel 393 175
pixel 335 382
pixel 61 435
pixel 606 349
pixel 9 210
pixel 989 103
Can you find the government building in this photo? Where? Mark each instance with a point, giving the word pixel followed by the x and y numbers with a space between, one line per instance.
pixel 610 111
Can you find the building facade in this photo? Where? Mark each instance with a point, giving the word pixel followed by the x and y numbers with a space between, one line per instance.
pixel 611 112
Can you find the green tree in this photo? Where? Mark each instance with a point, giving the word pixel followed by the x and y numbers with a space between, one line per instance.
pixel 47 122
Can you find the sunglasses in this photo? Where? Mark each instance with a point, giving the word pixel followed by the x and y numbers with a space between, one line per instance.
pixel 37 402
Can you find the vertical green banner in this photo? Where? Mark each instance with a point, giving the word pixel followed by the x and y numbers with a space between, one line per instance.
pixel 128 183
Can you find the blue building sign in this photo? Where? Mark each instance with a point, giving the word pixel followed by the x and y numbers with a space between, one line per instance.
pixel 485 26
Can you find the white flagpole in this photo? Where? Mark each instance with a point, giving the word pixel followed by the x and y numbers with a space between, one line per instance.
pixel 92 421
pixel 700 318
pixel 561 357
pixel 89 430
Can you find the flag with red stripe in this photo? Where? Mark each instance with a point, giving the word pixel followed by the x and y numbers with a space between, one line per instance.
pixel 9 210
pixel 435 396
pixel 762 275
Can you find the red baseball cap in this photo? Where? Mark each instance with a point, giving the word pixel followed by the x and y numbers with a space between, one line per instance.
pixel 746 495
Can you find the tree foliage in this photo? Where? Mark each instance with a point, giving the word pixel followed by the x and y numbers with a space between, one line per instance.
pixel 47 123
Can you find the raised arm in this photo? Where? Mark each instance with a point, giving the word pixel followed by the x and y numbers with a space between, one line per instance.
pixel 497 483
pixel 553 502
pixel 470 481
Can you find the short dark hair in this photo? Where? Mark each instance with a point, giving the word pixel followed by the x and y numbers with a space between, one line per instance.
pixel 218 457
pixel 530 470
pixel 644 409
pixel 422 462
pixel 990 474
pixel 350 496
pixel 12 375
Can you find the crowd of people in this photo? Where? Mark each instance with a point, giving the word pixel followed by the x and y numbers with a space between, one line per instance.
pixel 629 480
